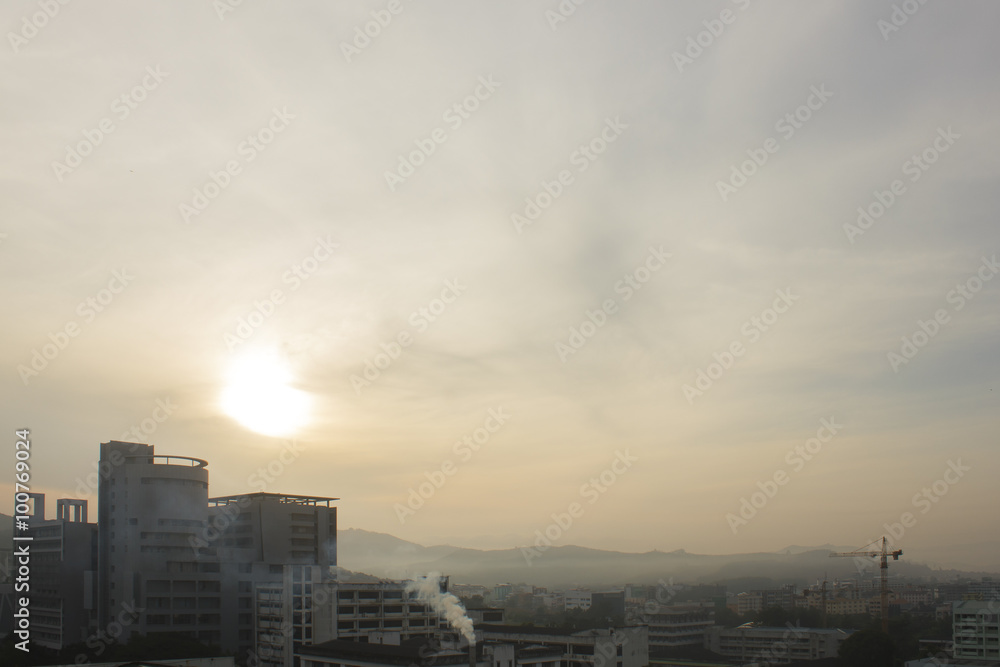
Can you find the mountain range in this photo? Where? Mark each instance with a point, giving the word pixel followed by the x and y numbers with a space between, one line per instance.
pixel 386 556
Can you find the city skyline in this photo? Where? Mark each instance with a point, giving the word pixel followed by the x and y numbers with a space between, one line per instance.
pixel 696 277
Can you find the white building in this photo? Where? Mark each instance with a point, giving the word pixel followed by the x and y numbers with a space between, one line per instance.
pixel 173 560
pixel 604 647
pixel 149 508
pixel 976 630
pixel 680 625
pixel 307 607
pixel 775 645
pixel 577 599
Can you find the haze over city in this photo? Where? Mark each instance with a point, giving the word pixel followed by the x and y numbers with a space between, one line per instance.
pixel 726 293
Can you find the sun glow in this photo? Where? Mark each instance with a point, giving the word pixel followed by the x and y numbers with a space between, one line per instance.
pixel 259 396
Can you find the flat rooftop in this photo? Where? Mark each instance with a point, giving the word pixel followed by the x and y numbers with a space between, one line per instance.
pixel 410 652
pixel 284 498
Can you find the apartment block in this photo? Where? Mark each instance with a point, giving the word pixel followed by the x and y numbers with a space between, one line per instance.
pixel 307 606
pixel 64 573
pixel 577 599
pixel 976 630
pixel 775 645
pixel 605 647
pixel 679 625
pixel 150 508
pixel 181 562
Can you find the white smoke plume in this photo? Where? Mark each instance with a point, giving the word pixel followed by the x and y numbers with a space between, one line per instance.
pixel 428 589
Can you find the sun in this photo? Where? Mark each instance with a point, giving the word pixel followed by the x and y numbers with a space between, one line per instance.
pixel 258 395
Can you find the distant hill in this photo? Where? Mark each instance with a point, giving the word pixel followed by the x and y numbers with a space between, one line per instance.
pixel 566 566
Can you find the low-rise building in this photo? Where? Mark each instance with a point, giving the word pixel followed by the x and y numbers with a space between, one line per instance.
pixel 307 607
pixel 577 599
pixel 679 625
pixel 845 606
pixel 604 647
pixel 501 591
pixel 775 645
pixel 425 652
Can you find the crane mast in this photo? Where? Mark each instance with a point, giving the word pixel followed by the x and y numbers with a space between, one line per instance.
pixel 883 556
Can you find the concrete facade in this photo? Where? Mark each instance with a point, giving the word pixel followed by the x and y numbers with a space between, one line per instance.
pixel 679 625
pixel 776 645
pixel 976 630
pixel 64 574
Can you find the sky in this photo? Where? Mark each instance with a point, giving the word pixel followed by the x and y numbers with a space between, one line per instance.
pixel 709 276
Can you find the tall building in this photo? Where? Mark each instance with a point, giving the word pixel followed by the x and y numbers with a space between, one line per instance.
pixel 976 630
pixel 190 564
pixel 274 528
pixel 150 509
pixel 252 538
pixel 64 573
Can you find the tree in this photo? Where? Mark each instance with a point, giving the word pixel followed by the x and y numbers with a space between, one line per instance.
pixel 775 617
pixel 868 648
pixel 728 618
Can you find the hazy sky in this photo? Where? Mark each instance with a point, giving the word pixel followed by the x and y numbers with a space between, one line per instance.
pixel 171 168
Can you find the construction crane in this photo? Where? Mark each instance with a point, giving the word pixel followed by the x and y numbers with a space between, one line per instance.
pixel 884 566
pixel 823 623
